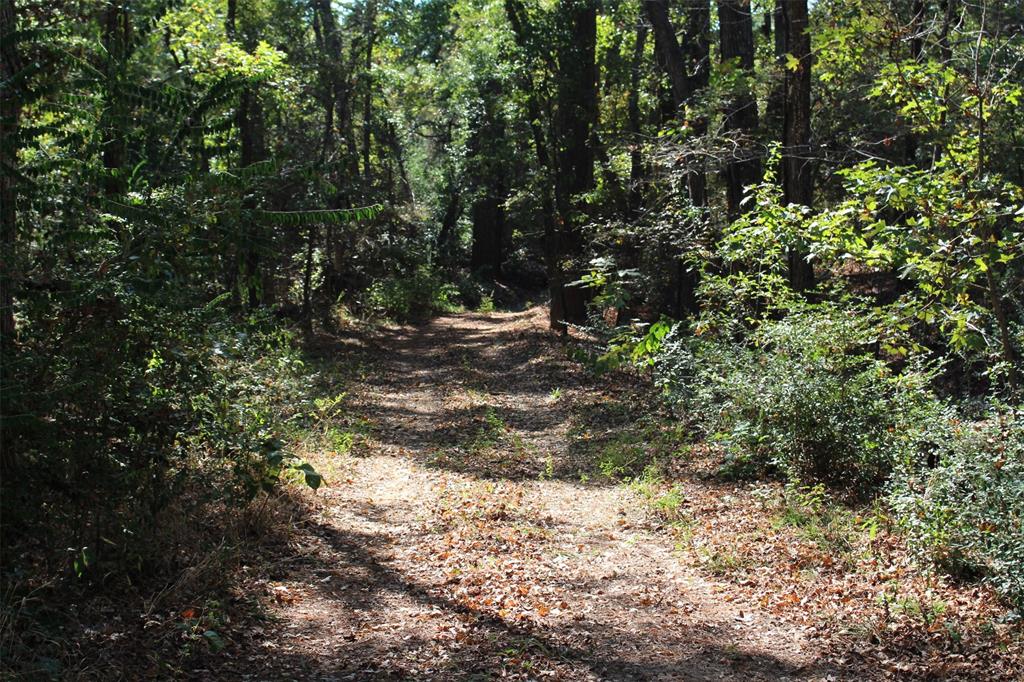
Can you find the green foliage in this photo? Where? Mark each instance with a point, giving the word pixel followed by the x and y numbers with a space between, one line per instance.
pixel 954 236
pixel 805 396
pixel 966 514
pixel 666 500
pixel 414 297
pixel 180 409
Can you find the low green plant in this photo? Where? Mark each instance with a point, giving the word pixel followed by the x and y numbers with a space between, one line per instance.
pixel 966 515
pixel 805 396
pixel 667 501
pixel 486 304
pixel 819 519
pixel 410 297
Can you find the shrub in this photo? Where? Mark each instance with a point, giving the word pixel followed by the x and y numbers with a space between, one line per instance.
pixel 966 515
pixel 412 297
pixel 805 396
pixel 179 411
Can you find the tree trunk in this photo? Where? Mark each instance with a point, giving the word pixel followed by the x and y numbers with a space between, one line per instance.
pixel 669 52
pixel 452 212
pixel 636 169
pixel 488 229
pixel 777 95
pixel 484 156
pixel 797 178
pixel 249 120
pixel 736 32
pixel 551 192
pixel 576 120
pixel 10 119
pixel 916 51
pixel 307 281
pixel 116 38
pixel 689 73
pixel 370 31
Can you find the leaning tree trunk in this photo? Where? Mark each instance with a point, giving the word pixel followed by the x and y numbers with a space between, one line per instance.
pixel 797 178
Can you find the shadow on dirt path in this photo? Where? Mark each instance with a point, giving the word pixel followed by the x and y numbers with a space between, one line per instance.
pixel 462 544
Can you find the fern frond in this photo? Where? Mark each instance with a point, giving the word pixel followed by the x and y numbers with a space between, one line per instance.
pixel 316 217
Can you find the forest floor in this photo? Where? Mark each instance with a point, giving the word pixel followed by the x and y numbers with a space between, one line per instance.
pixel 479 527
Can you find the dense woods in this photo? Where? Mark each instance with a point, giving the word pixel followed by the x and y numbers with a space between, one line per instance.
pixel 798 225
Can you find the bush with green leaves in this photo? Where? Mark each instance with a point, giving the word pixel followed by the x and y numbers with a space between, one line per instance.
pixel 966 515
pixel 805 395
pixel 181 410
pixel 414 297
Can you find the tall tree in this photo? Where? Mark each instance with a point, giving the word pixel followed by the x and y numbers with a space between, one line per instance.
pixel 636 168
pixel 797 162
pixel 736 35
pixel 10 118
pixel 575 123
pixel 689 72
pixel 248 276
pixel 550 180
pixel 487 168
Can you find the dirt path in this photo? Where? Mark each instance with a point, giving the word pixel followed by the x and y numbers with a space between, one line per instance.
pixel 465 541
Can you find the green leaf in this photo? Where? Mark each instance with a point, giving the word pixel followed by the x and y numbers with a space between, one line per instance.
pixel 313 479
pixel 215 640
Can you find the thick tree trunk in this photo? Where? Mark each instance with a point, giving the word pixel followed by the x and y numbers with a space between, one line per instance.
pixel 577 118
pixel 736 32
pixel 452 211
pixel 332 87
pixel 488 230
pixel 250 125
pixel 551 184
pixel 670 54
pixel 797 167
pixel 689 72
pixel 249 120
pixel 484 153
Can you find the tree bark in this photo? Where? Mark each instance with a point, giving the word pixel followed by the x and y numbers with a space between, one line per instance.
pixel 10 120
pixel 551 183
pixel 736 33
pixel 370 31
pixel 911 142
pixel 797 178
pixel 486 161
pixel 636 168
pixel 249 120
pixel 689 72
pixel 576 121
pixel 116 37
pixel 777 95
pixel 669 52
